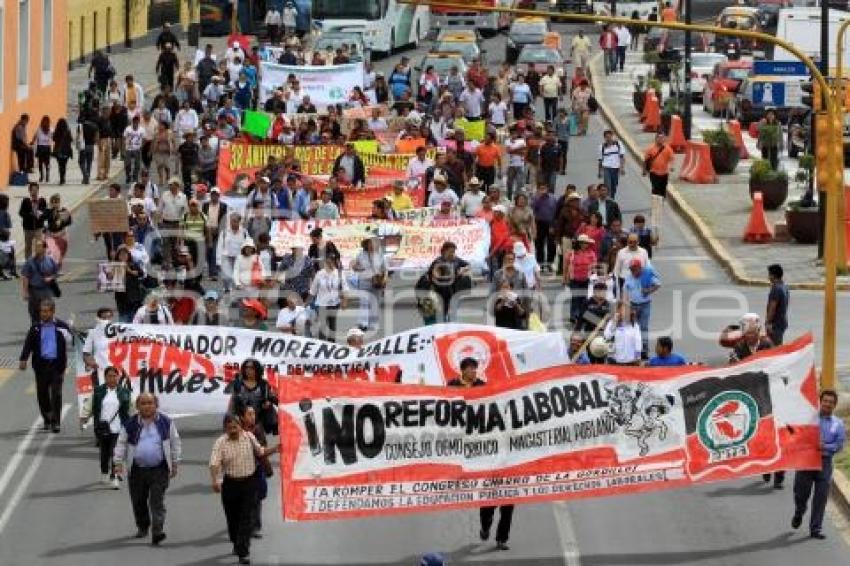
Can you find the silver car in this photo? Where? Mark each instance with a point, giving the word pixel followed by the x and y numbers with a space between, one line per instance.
pixel 702 65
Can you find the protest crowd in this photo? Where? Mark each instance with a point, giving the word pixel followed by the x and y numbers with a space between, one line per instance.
pixel 235 183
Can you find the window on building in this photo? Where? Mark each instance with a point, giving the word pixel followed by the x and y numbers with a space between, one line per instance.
pixel 47 36
pixel 23 47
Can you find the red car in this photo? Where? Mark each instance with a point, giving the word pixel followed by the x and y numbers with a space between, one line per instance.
pixel 721 85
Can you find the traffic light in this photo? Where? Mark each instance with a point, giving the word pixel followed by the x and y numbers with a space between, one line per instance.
pixel 829 153
pixel 813 97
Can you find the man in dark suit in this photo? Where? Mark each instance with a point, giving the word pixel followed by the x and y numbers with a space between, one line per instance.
pixel 352 164
pixel 46 343
pixel 608 207
pixel 214 223
pixel 33 213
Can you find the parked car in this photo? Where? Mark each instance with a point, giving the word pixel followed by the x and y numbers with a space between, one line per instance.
pixel 702 65
pixel 746 107
pixel 742 18
pixel 671 50
pixel 722 84
pixel 469 50
pixel 460 34
pixel 524 31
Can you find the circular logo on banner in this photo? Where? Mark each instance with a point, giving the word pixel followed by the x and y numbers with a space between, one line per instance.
pixel 469 347
pixel 728 420
pixel 336 93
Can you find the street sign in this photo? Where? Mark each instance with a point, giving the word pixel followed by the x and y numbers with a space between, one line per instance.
pixel 780 68
pixel 769 93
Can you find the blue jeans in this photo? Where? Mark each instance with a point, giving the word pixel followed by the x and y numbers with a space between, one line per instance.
pixel 641 312
pixel 212 265
pixel 611 178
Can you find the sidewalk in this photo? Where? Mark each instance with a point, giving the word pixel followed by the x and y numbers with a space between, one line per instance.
pixel 719 212
pixel 138 62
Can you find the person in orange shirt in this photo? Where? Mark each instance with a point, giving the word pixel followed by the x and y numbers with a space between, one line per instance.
pixel 657 162
pixel 488 161
pixel 669 14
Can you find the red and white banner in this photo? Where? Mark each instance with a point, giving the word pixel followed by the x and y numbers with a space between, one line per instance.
pixel 358 449
pixel 190 368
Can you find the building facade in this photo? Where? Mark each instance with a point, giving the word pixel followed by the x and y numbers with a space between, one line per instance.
pixel 34 70
pixel 103 24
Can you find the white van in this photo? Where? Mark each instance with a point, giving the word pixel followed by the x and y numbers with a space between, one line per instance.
pixel 801 27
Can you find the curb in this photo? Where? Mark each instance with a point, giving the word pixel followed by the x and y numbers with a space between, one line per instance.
pixel 841 492
pixel 717 250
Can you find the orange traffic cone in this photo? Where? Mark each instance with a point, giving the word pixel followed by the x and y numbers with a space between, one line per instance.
pixel 677 134
pixel 758 231
pixel 653 115
pixel 700 169
pixel 650 92
pixel 735 131
pixel 688 162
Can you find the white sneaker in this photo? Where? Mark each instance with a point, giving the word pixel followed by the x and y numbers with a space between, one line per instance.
pixel 104 479
pixel 116 483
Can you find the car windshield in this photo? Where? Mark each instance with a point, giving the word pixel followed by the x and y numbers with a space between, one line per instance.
pixel 737 74
pixel 528 28
pixel 465 48
pixel 742 21
pixel 539 55
pixel 336 41
pixel 442 65
pixel 706 60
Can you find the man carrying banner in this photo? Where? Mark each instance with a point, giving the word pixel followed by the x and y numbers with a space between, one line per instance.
pixel 469 378
pixel 832 438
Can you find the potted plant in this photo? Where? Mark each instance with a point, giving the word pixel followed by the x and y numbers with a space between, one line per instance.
pixel 656 85
pixel 724 154
pixel 802 215
pixel 772 184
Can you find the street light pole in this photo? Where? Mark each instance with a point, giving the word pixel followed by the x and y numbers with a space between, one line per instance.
pixel 824 69
pixel 687 116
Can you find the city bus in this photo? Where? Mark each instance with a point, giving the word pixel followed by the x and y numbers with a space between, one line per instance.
pixel 488 23
pixel 625 9
pixel 385 25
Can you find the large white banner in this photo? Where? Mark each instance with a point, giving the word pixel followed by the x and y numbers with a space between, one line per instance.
pixel 325 85
pixel 190 367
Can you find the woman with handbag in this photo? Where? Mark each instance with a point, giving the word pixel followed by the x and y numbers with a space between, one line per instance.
pixel 63 147
pixel 109 408
pixel 250 389
pixel 370 270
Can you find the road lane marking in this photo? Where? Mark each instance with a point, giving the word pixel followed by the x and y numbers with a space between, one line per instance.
pixel 13 464
pixel 5 375
pixel 692 271
pixel 566 534
pixel 30 473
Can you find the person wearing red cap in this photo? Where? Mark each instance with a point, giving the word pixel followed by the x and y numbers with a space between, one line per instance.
pixel 254 314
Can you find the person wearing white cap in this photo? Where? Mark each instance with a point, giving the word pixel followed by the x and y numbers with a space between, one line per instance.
pixel 472 199
pixel 441 192
pixel 527 264
pixel 234 52
pixel 354 337
pixel 248 270
pixel 292 315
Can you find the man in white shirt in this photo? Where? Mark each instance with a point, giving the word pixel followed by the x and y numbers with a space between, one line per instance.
pixel 580 49
pixel 377 123
pixel 273 21
pixel 624 40
pixel 149 206
pixel 627 255
pixel 419 164
pixel 172 206
pixel 550 89
pixel 472 100
pixel 186 121
pixel 133 96
pixel 234 52
pixel 96 346
pixel 290 16
pixel 472 199
pixel 134 136
pixel 612 162
pixel 517 150
pixel 151 190
pixel 441 193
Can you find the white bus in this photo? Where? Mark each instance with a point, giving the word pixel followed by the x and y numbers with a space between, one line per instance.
pixel 802 27
pixel 625 9
pixel 488 23
pixel 385 25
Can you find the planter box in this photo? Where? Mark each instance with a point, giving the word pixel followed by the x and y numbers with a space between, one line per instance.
pixel 724 159
pixel 803 225
pixel 774 193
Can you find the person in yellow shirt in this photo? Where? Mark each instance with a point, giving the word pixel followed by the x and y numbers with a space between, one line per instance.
pixel 400 200
pixel 669 14
pixel 580 49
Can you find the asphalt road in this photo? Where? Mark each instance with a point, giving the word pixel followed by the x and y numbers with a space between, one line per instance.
pixel 53 512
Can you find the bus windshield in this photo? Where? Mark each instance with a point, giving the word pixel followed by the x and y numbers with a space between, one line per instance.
pixel 347 9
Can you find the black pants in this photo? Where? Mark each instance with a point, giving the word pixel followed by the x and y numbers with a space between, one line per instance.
pixel 239 498
pixel 186 174
pixel 86 158
pixel 48 390
pixel 25 158
pixel 621 57
pixel 550 108
pixel 544 244
pixel 778 478
pixel 563 148
pixel 146 153
pixel 804 481
pixel 659 184
pixel 42 154
pixel 578 299
pixel 274 34
pixel 519 110
pixel 503 529
pixel 147 494
pixel 772 155
pixel 327 323
pixel 63 168
pixel 776 335
pixel 487 176
pixel 106 443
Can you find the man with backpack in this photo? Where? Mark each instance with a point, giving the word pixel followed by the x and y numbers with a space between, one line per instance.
pixel 612 162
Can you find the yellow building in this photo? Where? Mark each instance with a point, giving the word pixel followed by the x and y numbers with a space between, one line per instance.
pixel 101 24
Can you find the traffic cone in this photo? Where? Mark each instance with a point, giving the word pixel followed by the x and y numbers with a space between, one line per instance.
pixel 650 92
pixel 735 131
pixel 688 162
pixel 677 134
pixel 757 230
pixel 653 115
pixel 701 171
